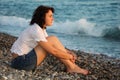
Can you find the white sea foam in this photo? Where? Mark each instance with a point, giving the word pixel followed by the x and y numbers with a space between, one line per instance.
pixel 13 21
pixel 119 27
pixel 82 26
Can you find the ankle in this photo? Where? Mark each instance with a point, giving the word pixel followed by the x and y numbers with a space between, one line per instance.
pixel 71 67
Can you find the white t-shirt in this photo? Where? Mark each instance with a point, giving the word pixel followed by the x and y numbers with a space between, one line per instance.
pixel 29 39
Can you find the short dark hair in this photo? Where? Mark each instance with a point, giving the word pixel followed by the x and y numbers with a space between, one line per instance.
pixel 39 15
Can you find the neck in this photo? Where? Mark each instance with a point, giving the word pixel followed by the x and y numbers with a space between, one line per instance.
pixel 44 27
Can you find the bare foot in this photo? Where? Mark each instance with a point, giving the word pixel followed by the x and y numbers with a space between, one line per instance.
pixel 77 69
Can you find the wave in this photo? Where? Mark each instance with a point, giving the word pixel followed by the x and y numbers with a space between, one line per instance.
pixel 79 27
pixel 112 33
pixel 13 25
pixel 13 21
pixel 82 26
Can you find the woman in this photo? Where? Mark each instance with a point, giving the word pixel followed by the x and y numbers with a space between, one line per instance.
pixel 33 45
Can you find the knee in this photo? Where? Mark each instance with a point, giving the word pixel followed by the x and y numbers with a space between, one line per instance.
pixel 52 38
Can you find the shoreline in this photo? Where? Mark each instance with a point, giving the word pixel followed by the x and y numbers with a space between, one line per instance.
pixel 101 66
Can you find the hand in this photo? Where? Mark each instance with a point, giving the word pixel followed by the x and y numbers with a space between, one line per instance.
pixel 72 53
pixel 72 59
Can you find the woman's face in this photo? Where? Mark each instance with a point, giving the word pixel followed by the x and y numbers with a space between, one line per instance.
pixel 49 18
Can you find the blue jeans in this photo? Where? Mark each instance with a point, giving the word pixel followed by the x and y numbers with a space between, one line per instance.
pixel 25 62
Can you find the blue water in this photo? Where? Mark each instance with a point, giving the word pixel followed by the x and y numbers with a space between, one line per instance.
pixel 88 25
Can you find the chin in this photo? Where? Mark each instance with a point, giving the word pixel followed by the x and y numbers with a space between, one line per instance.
pixel 49 25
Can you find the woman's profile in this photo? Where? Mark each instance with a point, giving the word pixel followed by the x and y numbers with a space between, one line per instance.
pixel 33 44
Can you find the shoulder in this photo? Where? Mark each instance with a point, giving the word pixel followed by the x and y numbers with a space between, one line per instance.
pixel 35 30
pixel 36 27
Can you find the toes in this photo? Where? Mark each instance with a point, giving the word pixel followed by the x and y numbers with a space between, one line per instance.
pixel 86 72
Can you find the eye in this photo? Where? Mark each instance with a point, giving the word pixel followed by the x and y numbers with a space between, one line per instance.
pixel 51 15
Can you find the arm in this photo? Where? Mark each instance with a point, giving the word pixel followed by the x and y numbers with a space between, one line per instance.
pixel 72 53
pixel 54 51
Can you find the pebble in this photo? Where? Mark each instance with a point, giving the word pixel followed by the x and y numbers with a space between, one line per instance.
pixel 101 67
pixel 3 77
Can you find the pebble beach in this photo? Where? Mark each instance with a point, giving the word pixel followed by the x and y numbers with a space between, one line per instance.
pixel 101 67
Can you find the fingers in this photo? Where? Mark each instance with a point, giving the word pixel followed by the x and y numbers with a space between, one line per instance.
pixel 73 59
pixel 75 56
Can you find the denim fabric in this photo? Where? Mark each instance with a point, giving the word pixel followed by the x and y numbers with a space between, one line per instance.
pixel 25 62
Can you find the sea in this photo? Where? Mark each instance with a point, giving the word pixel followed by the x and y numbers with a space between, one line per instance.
pixel 91 26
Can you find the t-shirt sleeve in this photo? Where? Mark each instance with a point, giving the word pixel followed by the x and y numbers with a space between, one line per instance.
pixel 38 35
